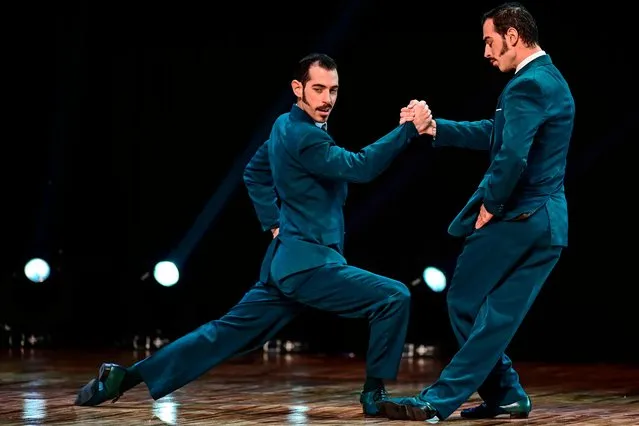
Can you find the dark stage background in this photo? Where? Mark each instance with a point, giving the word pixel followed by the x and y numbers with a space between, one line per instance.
pixel 125 122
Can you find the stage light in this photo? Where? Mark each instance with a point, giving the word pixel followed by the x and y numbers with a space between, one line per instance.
pixel 37 270
pixel 434 279
pixel 166 273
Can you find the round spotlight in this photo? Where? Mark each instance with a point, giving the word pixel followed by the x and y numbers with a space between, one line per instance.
pixel 434 279
pixel 166 273
pixel 37 270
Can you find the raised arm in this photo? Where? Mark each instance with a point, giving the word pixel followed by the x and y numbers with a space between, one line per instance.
pixel 463 134
pixel 259 183
pixel 319 154
pixel 524 113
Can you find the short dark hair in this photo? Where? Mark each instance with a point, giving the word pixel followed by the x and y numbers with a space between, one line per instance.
pixel 514 15
pixel 320 59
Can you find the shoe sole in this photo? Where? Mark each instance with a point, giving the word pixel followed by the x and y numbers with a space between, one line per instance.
pixel 494 416
pixel 406 412
pixel 380 412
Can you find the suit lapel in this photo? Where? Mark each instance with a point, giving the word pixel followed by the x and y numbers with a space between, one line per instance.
pixel 535 63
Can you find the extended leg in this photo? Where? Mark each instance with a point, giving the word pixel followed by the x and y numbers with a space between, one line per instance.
pixel 261 313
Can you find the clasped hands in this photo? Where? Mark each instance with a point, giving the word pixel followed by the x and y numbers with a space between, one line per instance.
pixel 419 113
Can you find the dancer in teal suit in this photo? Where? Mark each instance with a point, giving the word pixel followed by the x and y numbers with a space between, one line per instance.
pixel 515 224
pixel 298 183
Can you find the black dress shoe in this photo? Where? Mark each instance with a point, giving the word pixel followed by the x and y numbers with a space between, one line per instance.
pixel 408 408
pixel 517 410
pixel 370 399
pixel 104 387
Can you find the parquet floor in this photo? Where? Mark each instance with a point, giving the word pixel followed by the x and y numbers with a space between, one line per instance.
pixel 38 387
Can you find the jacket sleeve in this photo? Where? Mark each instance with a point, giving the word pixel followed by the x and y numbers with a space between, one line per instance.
pixel 463 134
pixel 319 154
pixel 259 183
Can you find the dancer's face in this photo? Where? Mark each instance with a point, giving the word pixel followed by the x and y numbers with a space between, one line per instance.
pixel 499 49
pixel 318 96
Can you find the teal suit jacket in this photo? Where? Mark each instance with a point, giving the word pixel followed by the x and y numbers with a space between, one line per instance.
pixel 528 140
pixel 298 180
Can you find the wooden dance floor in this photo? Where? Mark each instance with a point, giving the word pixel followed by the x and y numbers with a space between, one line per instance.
pixel 38 387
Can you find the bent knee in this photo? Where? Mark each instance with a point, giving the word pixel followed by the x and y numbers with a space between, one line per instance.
pixel 398 293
